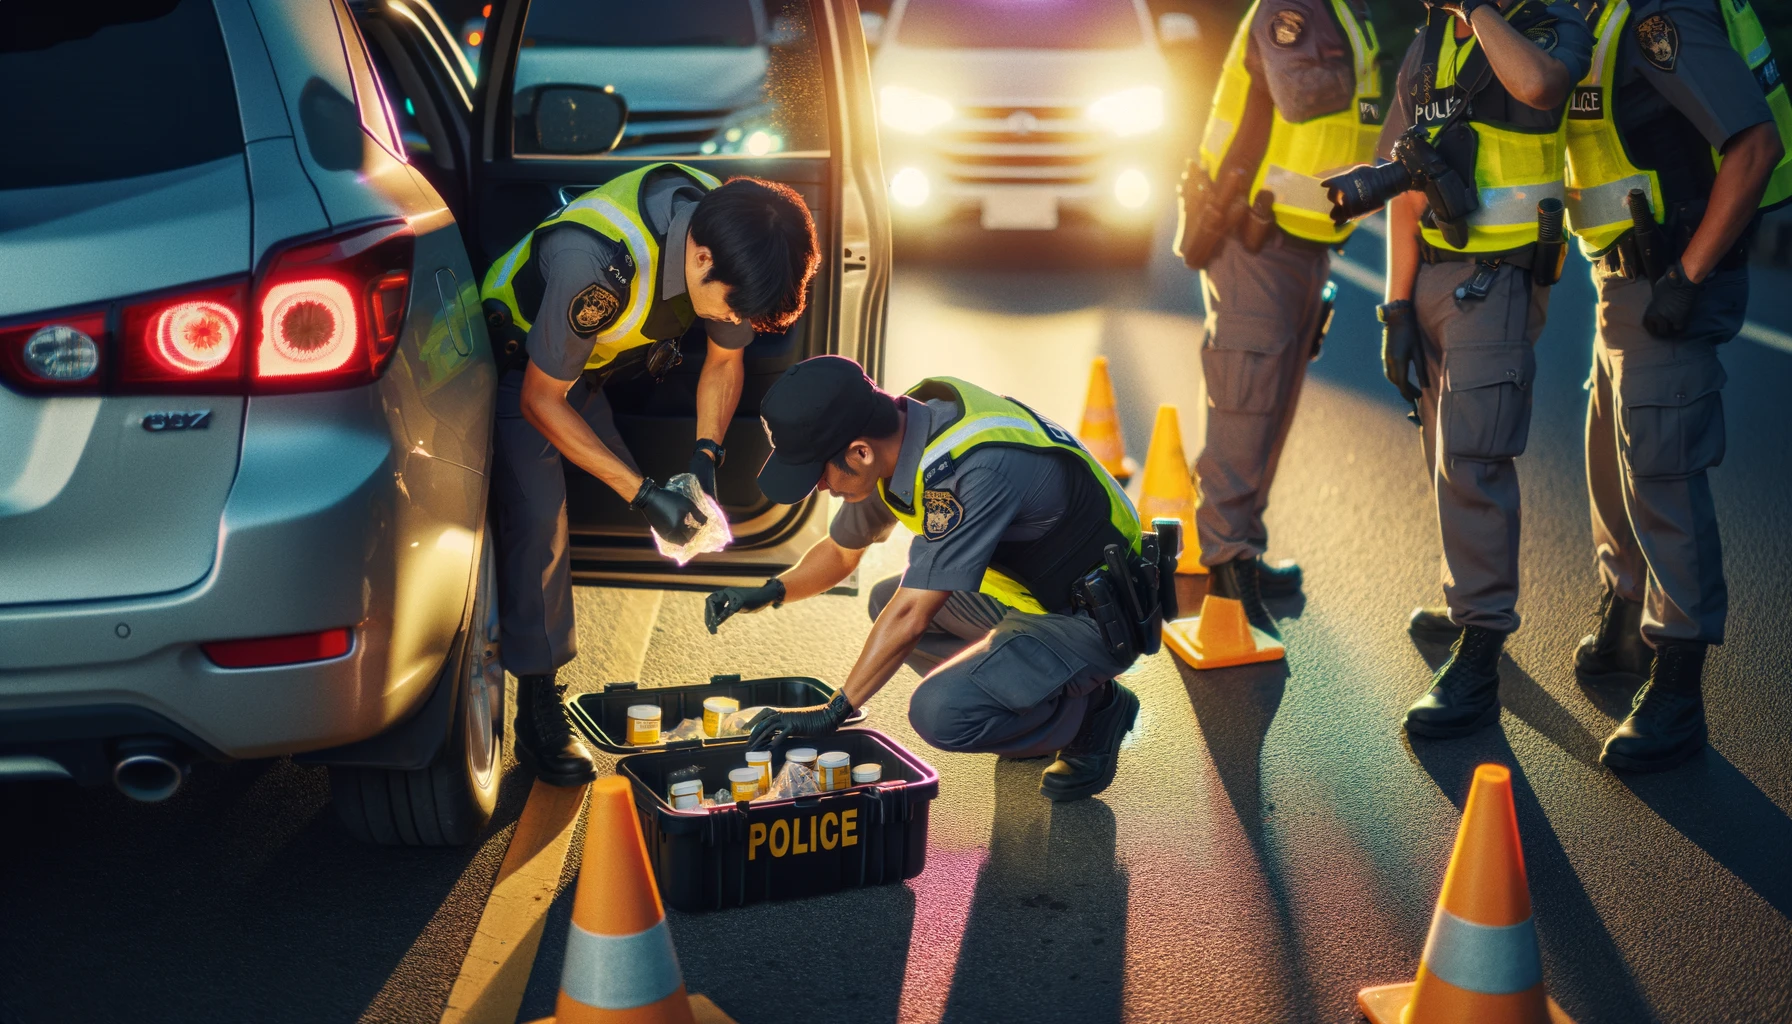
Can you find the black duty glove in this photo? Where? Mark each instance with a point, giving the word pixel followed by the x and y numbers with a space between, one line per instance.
pixel 774 725
pixel 704 461
pixel 1670 308
pixel 670 513
pixel 1400 347
pixel 725 602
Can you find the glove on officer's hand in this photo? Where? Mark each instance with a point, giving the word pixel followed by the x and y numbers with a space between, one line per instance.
pixel 725 602
pixel 1461 8
pixel 774 725
pixel 1670 308
pixel 670 513
pixel 704 469
pixel 1400 347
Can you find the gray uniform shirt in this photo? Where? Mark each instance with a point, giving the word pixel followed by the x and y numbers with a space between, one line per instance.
pixel 1689 68
pixel 1571 42
pixel 1299 51
pixel 994 494
pixel 572 261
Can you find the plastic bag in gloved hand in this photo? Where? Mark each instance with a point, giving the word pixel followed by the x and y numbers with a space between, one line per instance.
pixel 713 535
pixel 739 723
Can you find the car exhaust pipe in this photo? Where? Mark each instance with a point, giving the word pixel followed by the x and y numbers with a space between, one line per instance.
pixel 149 769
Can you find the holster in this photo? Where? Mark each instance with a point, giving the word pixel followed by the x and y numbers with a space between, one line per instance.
pixel 1210 212
pixel 507 339
pixel 1129 596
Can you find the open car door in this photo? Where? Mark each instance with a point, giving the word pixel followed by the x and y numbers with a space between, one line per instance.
pixel 776 89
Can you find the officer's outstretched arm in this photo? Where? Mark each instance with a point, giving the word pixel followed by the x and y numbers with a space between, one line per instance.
pixel 1529 72
pixel 547 410
pixel 893 637
pixel 822 568
pixel 718 390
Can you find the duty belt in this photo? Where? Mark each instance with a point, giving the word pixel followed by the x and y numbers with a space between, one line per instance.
pixel 1621 260
pixel 1519 257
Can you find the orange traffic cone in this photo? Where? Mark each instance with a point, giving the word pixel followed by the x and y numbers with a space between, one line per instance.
pixel 1100 432
pixel 620 965
pixel 1168 492
pixel 1220 636
pixel 1481 962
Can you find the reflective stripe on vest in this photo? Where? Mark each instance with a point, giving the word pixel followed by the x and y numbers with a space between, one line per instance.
pixel 1514 170
pixel 613 211
pixel 1301 154
pixel 988 419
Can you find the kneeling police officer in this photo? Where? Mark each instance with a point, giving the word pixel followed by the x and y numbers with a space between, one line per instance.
pixel 604 286
pixel 1029 586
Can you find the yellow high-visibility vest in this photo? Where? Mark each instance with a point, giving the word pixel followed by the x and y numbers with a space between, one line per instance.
pixel 1300 154
pixel 611 211
pixel 1600 172
pixel 1518 163
pixel 1031 576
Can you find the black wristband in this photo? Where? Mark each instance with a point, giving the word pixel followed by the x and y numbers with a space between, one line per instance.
pixel 716 452
pixel 778 584
pixel 647 486
pixel 1398 307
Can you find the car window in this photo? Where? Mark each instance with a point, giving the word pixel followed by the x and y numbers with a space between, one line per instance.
pixel 106 89
pixel 698 77
pixel 375 107
pixel 1019 25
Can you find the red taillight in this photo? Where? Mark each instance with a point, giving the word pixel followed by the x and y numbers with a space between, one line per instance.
pixel 328 314
pixel 278 650
pixel 324 314
pixel 191 341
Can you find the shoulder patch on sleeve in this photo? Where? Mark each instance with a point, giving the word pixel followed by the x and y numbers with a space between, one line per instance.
pixel 592 310
pixel 943 513
pixel 1286 27
pixel 1544 36
pixel 1659 41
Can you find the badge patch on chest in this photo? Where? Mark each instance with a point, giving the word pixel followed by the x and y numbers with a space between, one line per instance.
pixel 1285 28
pixel 1659 40
pixel 942 513
pixel 592 310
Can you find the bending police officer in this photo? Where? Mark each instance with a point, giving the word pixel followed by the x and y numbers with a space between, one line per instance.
pixel 607 285
pixel 1013 522
pixel 1475 140
pixel 1687 108
pixel 1299 99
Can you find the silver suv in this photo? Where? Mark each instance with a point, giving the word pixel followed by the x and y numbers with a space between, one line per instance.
pixel 246 391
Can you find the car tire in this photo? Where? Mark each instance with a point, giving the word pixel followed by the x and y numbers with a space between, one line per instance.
pixel 449 801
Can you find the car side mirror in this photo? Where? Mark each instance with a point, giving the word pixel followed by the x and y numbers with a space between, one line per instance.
pixel 578 120
pixel 1177 28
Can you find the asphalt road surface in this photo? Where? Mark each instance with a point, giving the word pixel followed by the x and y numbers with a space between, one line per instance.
pixel 1272 843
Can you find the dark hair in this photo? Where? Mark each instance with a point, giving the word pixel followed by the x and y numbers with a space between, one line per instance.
pixel 884 422
pixel 763 243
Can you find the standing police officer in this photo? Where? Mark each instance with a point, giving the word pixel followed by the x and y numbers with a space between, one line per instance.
pixel 1010 514
pixel 1682 107
pixel 609 282
pixel 1299 99
pixel 1477 129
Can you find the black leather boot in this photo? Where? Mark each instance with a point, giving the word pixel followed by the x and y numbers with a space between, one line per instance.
pixel 1086 766
pixel 1667 719
pixel 1433 626
pixel 1465 693
pixel 545 741
pixel 1278 579
pixel 1237 579
pixel 1615 654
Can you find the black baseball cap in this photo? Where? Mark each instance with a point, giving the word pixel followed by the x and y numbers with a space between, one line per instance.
pixel 811 414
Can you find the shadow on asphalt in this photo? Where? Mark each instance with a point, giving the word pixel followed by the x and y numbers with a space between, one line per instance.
pixel 1046 932
pixel 1569 926
pixel 1235 708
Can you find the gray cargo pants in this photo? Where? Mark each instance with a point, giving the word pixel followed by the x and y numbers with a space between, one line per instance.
pixel 1655 424
pixel 1000 681
pixel 535 620
pixel 1263 312
pixel 1476 414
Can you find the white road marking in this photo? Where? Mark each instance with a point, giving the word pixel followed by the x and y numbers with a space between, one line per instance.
pixel 1772 337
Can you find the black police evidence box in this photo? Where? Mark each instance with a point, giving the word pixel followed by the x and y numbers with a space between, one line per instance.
pixel 734 854
pixel 603 716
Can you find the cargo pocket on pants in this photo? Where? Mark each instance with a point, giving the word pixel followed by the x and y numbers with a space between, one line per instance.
pixel 1671 418
pixel 1020 671
pixel 1486 404
pixel 1241 375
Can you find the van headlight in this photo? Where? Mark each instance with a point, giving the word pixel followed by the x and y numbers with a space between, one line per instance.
pixel 911 110
pixel 1130 111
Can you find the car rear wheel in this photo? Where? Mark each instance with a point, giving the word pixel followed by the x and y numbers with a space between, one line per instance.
pixel 449 802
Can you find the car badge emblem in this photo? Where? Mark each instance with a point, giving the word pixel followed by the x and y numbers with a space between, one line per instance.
pixel 161 422
pixel 1022 122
